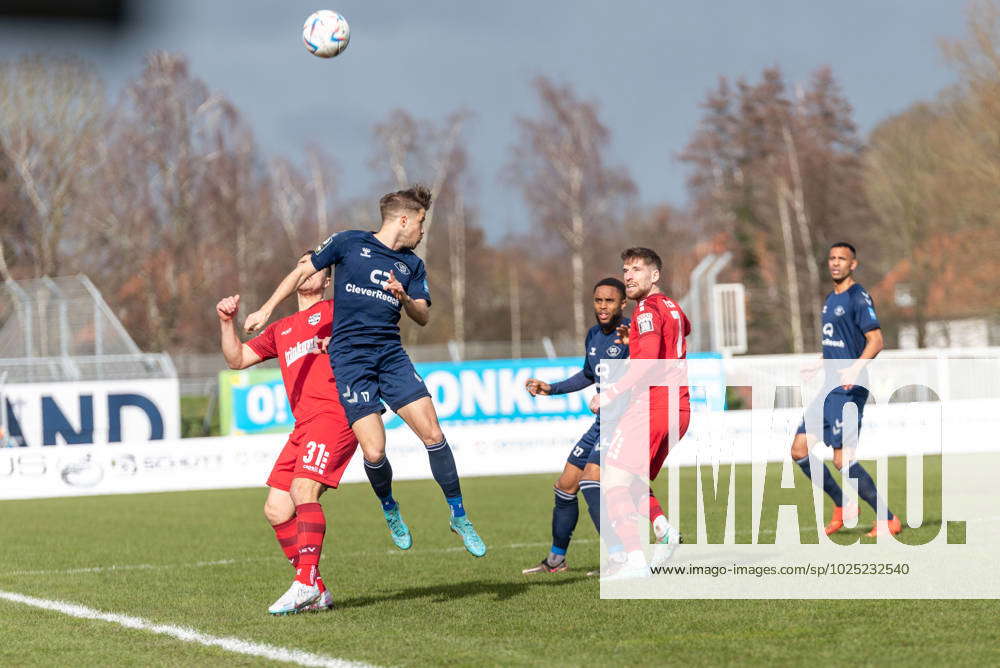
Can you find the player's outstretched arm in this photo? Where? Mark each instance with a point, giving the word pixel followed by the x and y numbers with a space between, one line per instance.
pixel 289 284
pixel 238 354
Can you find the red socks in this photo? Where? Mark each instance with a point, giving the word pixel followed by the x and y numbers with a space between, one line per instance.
pixel 311 530
pixel 287 534
pixel 621 511
pixel 655 510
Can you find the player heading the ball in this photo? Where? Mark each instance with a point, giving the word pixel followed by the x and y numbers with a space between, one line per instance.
pixel 377 275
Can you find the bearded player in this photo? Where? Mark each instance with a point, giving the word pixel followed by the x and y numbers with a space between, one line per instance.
pixel 377 276
pixel 321 443
pixel 658 331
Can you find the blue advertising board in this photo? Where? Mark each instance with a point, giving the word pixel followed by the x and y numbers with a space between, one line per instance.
pixel 474 392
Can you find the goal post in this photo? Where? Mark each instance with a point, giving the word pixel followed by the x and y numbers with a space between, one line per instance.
pixel 729 318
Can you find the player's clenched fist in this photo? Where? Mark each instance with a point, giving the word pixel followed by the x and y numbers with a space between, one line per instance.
pixel 536 387
pixel 228 307
pixel 256 320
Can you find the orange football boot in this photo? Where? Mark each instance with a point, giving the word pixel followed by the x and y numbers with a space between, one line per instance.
pixel 892 527
pixel 837 521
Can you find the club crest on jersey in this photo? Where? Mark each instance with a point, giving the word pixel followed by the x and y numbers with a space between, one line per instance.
pixel 644 322
pixel 366 252
pixel 314 319
pixel 403 269
pixel 838 310
pixel 613 351
pixel 325 243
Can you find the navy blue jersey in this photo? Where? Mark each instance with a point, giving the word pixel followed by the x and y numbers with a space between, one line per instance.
pixel 846 318
pixel 602 346
pixel 598 345
pixel 366 312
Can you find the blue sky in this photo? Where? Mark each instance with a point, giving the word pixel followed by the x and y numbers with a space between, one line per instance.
pixel 648 64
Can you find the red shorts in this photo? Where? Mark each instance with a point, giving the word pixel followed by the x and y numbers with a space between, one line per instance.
pixel 318 449
pixel 639 452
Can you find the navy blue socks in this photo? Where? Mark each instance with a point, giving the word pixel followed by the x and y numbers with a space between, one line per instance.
pixel 565 514
pixel 380 476
pixel 446 474
pixel 830 485
pixel 866 488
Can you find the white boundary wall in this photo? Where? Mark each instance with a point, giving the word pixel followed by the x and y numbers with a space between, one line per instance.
pixel 480 450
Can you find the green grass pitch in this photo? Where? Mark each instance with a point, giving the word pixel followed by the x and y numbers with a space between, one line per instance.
pixel 432 605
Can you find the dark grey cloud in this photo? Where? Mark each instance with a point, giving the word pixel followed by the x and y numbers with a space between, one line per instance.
pixel 648 64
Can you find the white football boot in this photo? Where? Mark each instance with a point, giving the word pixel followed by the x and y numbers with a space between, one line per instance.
pixel 667 540
pixel 298 597
pixel 324 602
pixel 634 568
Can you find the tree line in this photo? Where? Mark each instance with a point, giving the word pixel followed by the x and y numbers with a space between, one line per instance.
pixel 164 200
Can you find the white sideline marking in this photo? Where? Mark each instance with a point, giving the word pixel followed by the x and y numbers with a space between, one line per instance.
pixel 186 634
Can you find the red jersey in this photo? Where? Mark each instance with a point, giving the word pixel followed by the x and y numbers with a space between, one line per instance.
pixel 657 332
pixel 308 377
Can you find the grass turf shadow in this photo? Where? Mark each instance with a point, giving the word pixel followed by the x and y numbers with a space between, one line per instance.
pixel 501 590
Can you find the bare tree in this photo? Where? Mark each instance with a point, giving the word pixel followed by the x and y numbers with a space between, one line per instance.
pixel 415 150
pixel 50 112
pixel 775 177
pixel 456 257
pixel 560 164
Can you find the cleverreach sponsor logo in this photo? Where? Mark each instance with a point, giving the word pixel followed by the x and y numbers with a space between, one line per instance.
pixel 369 292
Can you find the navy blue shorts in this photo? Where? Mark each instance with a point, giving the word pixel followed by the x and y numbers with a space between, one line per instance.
pixel 833 414
pixel 370 374
pixel 587 450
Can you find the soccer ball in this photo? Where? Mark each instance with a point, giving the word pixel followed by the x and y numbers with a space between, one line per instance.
pixel 326 33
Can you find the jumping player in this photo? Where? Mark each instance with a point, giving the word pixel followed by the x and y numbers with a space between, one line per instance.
pixel 320 445
pixel 657 331
pixel 851 331
pixel 377 275
pixel 609 300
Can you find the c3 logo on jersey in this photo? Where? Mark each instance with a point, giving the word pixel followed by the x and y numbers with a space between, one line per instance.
pixel 366 252
pixel 402 268
pixel 379 277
